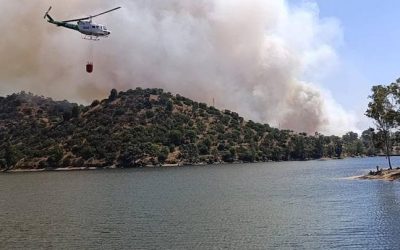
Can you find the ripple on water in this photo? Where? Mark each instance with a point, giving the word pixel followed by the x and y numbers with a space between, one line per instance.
pixel 289 205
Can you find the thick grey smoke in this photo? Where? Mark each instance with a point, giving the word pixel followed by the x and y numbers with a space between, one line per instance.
pixel 251 56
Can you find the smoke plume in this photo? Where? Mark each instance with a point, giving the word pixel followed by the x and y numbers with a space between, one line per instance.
pixel 253 57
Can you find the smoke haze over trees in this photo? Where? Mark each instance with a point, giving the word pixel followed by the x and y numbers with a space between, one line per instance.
pixel 254 57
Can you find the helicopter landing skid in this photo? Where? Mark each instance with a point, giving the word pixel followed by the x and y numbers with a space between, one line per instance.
pixel 91 38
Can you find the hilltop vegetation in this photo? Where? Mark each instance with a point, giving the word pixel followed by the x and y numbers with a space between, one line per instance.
pixel 144 127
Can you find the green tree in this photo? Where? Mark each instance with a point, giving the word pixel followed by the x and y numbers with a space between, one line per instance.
pixel 227 156
pixel 163 154
pixel 319 146
pixel 367 138
pixel 75 111
pixel 67 116
pixel 55 156
pixel 11 156
pixel 127 158
pixel 113 95
pixel 175 137
pixel 170 106
pixel 246 155
pixel 95 103
pixel 87 152
pixel 190 152
pixel 352 144
pixel 190 135
pixel 383 108
pixel 298 152
pixel 338 147
pixel 203 149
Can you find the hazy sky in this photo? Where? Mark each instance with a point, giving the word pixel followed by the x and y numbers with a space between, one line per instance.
pixel 368 53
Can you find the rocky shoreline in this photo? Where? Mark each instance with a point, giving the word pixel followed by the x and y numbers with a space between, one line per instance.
pixel 24 170
pixel 382 174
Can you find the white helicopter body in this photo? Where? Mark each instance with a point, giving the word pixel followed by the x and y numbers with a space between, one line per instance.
pixel 91 30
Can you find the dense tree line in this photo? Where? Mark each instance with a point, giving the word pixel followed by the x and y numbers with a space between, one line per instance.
pixel 384 109
pixel 149 127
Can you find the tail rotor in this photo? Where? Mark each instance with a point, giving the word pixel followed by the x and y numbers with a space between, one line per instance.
pixel 47 13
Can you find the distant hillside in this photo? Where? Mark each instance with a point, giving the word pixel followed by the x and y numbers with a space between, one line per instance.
pixel 145 127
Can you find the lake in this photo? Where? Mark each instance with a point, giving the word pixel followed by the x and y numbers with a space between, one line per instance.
pixel 285 205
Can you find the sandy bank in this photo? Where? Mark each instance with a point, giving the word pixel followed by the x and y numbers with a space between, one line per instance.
pixel 388 175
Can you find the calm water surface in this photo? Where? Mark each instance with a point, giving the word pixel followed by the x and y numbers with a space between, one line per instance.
pixel 290 205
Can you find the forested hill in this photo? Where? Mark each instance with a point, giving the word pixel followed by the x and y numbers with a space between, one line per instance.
pixel 145 127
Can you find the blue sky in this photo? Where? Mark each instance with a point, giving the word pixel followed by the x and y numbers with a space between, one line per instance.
pixel 370 51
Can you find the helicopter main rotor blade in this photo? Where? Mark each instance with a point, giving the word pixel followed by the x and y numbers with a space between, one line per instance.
pixel 90 17
pixel 105 12
pixel 75 20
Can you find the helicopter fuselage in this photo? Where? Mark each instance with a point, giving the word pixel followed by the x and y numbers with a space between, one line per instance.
pixel 92 29
pixel 85 27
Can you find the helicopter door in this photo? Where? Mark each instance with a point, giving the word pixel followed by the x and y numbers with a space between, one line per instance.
pixel 85 27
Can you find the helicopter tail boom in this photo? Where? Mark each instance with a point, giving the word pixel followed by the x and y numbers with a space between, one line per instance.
pixel 50 19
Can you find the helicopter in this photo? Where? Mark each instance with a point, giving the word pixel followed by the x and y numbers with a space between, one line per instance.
pixel 91 30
